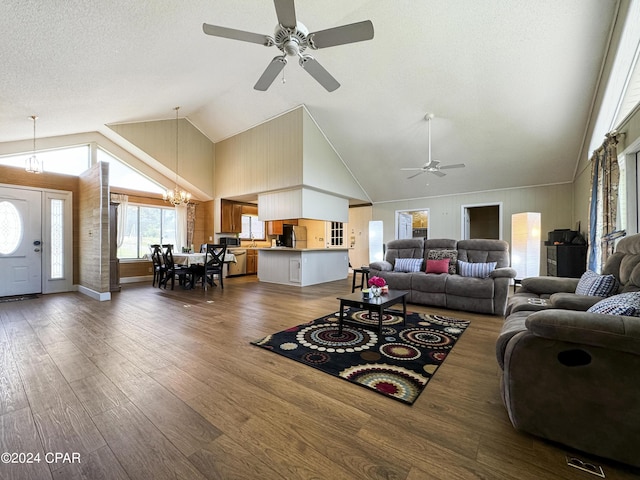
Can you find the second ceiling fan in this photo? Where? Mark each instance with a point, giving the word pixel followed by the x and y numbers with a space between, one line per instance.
pixel 293 38
pixel 432 166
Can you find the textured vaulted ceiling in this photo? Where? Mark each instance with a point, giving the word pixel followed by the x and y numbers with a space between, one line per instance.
pixel 511 82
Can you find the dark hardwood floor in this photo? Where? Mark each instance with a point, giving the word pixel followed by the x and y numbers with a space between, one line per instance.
pixel 162 384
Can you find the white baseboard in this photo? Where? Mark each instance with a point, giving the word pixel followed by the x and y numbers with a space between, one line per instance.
pixel 101 296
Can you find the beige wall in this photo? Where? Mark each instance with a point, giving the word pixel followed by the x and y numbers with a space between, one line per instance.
pixel 196 153
pixel 266 157
pixel 322 166
pixel 357 235
pixel 554 202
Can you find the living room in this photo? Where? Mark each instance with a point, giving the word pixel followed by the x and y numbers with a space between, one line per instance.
pixel 525 133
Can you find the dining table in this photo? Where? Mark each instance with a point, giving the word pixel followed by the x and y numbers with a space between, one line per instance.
pixel 189 259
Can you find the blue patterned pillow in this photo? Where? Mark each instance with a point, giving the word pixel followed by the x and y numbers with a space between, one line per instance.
pixel 478 270
pixel 407 265
pixel 623 304
pixel 596 285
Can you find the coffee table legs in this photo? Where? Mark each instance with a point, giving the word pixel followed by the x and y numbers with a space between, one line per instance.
pixel 341 318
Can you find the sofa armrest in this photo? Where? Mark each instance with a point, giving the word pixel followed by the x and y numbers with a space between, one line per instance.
pixel 615 332
pixel 503 272
pixel 573 301
pixel 548 285
pixel 383 266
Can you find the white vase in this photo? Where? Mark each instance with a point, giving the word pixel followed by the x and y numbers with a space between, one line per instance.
pixel 375 291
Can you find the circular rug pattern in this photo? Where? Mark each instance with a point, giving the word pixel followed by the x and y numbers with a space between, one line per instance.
pixel 369 318
pixel 443 320
pixel 391 380
pixel 316 358
pixel 324 337
pixel 426 337
pixel 400 351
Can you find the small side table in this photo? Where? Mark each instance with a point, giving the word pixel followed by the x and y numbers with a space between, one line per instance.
pixel 517 282
pixel 364 275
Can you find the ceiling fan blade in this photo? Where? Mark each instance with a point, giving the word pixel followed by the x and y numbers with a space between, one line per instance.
pixel 234 34
pixel 354 32
pixel 286 12
pixel 416 174
pixel 455 165
pixel 438 173
pixel 412 168
pixel 270 74
pixel 318 72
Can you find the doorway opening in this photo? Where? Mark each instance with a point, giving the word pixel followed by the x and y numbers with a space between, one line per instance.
pixel 412 223
pixel 482 221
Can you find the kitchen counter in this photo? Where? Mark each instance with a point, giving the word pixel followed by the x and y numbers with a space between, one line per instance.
pixel 302 266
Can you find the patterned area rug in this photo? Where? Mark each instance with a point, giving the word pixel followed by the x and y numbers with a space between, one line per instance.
pixel 399 363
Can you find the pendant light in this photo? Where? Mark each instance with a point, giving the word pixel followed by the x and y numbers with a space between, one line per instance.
pixel 176 196
pixel 32 164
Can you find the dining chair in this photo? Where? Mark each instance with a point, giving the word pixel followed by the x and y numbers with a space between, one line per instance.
pixel 158 264
pixel 213 265
pixel 172 270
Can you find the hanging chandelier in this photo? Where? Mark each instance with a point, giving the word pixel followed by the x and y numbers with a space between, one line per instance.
pixel 33 164
pixel 176 196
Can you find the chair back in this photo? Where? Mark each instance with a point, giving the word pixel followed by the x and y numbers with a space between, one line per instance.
pixel 156 255
pixel 167 255
pixel 215 255
pixel 203 248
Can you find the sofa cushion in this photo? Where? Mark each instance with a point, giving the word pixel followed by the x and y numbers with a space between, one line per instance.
pixel 429 282
pixel 484 250
pixel 477 270
pixel 438 266
pixel 407 265
pixel 622 304
pixel 452 255
pixel 471 287
pixel 597 285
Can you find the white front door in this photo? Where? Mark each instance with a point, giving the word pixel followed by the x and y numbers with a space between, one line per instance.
pixel 20 241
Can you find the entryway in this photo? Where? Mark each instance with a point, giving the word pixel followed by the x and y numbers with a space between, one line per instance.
pixel 482 221
pixel 36 240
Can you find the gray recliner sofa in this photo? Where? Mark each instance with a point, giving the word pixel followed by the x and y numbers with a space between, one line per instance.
pixel 573 376
pixel 482 295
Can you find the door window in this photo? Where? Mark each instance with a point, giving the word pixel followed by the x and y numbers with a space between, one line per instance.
pixel 11 228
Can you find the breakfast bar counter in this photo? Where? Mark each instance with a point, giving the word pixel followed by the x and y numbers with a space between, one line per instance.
pixel 302 266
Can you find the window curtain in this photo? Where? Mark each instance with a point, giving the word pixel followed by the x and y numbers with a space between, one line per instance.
pixel 191 222
pixel 123 202
pixel 181 228
pixel 605 177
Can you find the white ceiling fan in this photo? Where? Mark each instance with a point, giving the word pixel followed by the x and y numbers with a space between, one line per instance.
pixel 293 38
pixel 432 166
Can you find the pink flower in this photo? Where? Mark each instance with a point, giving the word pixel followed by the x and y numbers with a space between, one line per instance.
pixel 377 282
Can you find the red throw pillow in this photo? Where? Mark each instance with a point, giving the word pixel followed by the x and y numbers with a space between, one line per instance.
pixel 438 266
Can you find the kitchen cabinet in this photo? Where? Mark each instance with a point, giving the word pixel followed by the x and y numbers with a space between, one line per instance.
pixel 252 261
pixel 230 217
pixel 274 227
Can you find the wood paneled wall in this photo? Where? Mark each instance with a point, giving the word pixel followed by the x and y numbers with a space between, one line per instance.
pixel 266 157
pixel 94 228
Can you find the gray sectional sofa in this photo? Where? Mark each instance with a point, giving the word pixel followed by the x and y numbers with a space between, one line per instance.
pixel 571 375
pixel 454 291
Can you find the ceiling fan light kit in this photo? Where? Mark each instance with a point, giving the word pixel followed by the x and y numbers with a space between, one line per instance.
pixel 432 166
pixel 292 38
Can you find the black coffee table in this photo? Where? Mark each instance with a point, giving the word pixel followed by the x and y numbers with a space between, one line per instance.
pixel 373 304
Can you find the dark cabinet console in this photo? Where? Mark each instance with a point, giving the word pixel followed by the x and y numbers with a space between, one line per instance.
pixel 566 260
